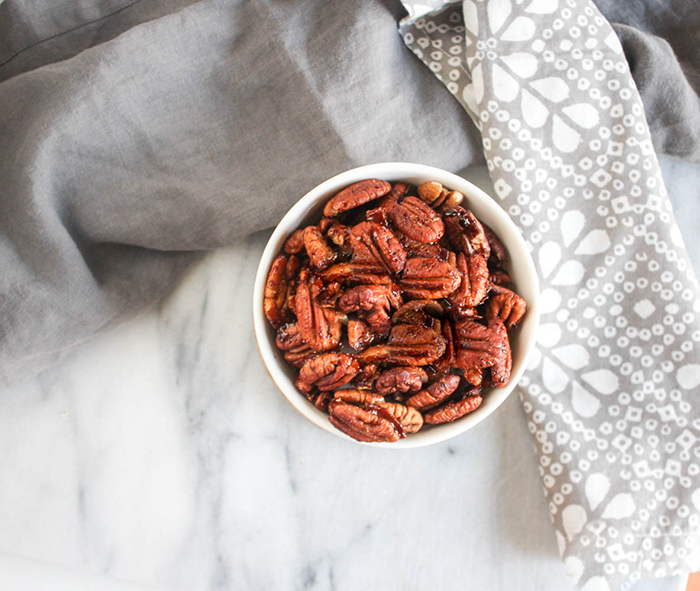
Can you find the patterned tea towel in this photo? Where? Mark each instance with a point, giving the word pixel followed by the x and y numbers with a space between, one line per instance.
pixel 611 395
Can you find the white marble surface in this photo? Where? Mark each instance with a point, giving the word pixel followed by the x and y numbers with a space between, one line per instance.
pixel 161 453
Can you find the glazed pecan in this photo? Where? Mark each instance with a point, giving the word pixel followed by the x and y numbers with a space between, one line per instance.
pixel 295 243
pixel 373 302
pixel 465 233
pixel 408 345
pixel 422 249
pixel 360 335
pixel 416 219
pixel 370 425
pixel 429 279
pixel 356 195
pixel 506 305
pixel 275 296
pixel 398 192
pixel 320 254
pixel 289 337
pixel 451 411
pixel 322 400
pixel 400 379
pixel 371 242
pixel 409 418
pixel 320 327
pixel 500 277
pixel 328 371
pixel 474 376
pixel 435 393
pixel 339 235
pixel 417 311
pixel 449 360
pixel 479 347
pixel 366 377
pixel 475 281
pixel 499 255
pixel 357 396
pixel 297 356
pixel 357 273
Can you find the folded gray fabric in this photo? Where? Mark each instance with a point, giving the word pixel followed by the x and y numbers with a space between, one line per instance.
pixel 611 394
pixel 183 134
pixel 135 135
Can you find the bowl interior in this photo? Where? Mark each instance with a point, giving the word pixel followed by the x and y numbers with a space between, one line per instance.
pixel 308 210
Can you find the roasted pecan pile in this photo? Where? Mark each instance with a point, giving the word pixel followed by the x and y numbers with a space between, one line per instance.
pixel 395 309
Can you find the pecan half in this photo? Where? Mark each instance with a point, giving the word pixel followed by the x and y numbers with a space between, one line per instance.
pixel 363 424
pixel 320 327
pixel 373 302
pixel 465 233
pixel 357 396
pixel 400 379
pixel 398 191
pixel 416 219
pixel 371 242
pixel 452 411
pixel 356 195
pixel 506 305
pixel 429 279
pixel 449 360
pixel 479 347
pixel 366 377
pixel 275 295
pixel 435 393
pixel 289 337
pixel 297 356
pixel 328 371
pixel 410 419
pixel 320 253
pixel 422 249
pixel 415 312
pixel 408 345
pixel 322 400
pixel 360 335
pixel 295 243
pixel 475 281
pixel 500 277
pixel 357 273
pixel 499 255
pixel 474 376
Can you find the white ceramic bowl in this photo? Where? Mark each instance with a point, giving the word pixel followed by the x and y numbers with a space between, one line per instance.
pixel 521 268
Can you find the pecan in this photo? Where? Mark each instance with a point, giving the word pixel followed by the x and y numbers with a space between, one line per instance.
pixel 356 272
pixel 400 379
pixel 356 195
pixel 398 192
pixel 320 327
pixel 275 296
pixel 357 396
pixel 373 302
pixel 322 400
pixel 500 277
pixel 449 360
pixel 289 337
pixel 435 393
pixel 416 219
pixel 506 305
pixel 475 281
pixel 429 279
pixel 366 377
pixel 416 312
pixel 451 411
pixel 371 242
pixel 320 254
pixel 474 376
pixel 422 249
pixel 465 233
pixel 410 419
pixel 360 335
pixel 299 355
pixel 498 256
pixel 339 234
pixel 407 345
pixel 328 371
pixel 295 243
pixel 479 347
pixel 364 424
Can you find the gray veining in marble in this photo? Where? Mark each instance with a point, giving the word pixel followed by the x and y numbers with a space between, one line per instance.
pixel 162 453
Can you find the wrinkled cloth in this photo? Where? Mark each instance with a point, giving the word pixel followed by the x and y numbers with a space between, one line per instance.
pixel 136 135
pixel 611 393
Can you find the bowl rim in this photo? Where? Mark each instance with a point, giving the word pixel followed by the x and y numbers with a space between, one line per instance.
pixel 396 171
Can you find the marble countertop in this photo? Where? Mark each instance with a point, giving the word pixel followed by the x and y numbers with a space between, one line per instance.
pixel 161 453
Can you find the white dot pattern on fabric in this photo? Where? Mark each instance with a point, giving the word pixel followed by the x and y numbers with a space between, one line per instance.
pixel 610 388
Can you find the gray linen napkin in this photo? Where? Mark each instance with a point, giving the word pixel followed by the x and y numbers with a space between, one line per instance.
pixel 611 395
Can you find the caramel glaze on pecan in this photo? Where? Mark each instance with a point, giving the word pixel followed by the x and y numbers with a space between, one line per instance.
pixel 420 285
